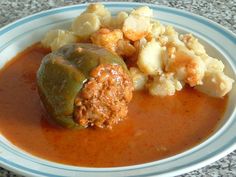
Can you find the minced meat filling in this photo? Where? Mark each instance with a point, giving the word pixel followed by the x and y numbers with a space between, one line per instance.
pixel 104 98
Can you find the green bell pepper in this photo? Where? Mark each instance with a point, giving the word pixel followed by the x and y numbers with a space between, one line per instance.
pixel 62 74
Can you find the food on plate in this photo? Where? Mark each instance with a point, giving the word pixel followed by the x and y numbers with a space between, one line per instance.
pixel 155 128
pixel 150 58
pixel 164 85
pixel 157 51
pixel 117 21
pixel 84 85
pixel 85 25
pixel 215 84
pixel 160 61
pixel 101 11
pixel 66 98
pixel 55 39
pixel 137 24
pixel 107 38
pixel 186 67
pixel 139 78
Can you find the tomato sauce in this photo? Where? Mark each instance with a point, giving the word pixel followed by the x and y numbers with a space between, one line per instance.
pixel 155 128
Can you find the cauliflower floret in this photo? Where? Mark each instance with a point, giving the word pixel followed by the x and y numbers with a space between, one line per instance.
pixel 125 48
pixel 163 40
pixel 182 61
pixel 186 66
pixel 140 44
pixel 170 31
pixel 85 25
pixel 157 29
pixel 107 38
pixel 192 43
pixel 172 36
pixel 171 51
pixel 143 11
pixel 165 60
pixel 150 58
pixel 118 21
pixel 165 85
pixel 137 25
pixel 139 78
pixel 212 64
pixel 215 84
pixel 101 11
pixel 55 39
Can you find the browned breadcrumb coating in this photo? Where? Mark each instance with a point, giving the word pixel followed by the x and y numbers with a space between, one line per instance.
pixel 125 48
pixel 104 98
pixel 107 38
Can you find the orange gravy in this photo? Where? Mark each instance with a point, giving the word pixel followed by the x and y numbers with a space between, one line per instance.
pixel 154 129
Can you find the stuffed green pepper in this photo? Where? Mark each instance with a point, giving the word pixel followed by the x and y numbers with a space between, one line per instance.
pixel 84 85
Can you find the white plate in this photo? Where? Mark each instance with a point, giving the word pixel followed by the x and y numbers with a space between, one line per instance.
pixel 219 43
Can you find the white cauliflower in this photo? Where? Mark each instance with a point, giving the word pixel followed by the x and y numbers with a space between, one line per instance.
pixel 157 29
pixel 137 25
pixel 173 36
pixel 164 85
pixel 55 39
pixel 212 64
pixel 215 84
pixel 102 12
pixel 186 66
pixel 150 58
pixel 139 78
pixel 118 20
pixel 143 11
pixel 192 43
pixel 85 25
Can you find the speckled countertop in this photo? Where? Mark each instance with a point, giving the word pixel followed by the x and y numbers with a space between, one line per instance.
pixel 220 11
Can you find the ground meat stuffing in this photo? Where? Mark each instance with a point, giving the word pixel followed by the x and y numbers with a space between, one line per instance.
pixel 104 98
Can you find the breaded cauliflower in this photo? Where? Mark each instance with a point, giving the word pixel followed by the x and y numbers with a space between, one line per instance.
pixel 125 48
pixel 164 85
pixel 187 67
pixel 172 36
pixel 151 49
pixel 107 38
pixel 192 43
pixel 183 62
pixel 140 44
pixel 54 39
pixel 157 29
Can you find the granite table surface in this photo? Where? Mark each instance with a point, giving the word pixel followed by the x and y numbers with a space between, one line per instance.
pixel 220 11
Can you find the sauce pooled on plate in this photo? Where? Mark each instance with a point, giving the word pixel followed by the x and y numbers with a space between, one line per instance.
pixel 155 128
